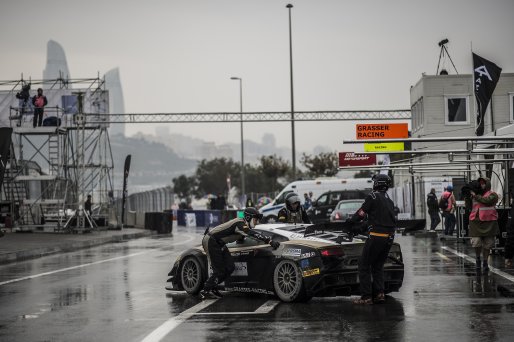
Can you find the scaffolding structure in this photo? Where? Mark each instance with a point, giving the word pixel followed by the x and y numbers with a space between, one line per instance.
pixel 52 169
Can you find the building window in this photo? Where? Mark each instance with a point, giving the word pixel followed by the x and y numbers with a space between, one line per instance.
pixel 457 110
pixel 511 99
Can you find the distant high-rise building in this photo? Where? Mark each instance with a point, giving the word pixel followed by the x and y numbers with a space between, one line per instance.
pixel 116 103
pixel 56 64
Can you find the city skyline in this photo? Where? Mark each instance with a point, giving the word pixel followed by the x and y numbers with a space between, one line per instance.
pixel 178 56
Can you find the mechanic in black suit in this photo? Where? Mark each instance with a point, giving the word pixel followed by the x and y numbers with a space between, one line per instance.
pixel 379 210
pixel 220 259
pixel 293 212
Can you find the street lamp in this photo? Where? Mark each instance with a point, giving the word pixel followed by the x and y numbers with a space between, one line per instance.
pixel 242 142
pixel 289 6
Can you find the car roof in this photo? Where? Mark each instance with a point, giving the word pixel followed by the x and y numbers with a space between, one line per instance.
pixel 296 232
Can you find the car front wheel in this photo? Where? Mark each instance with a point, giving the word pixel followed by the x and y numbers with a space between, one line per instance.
pixel 288 282
pixel 191 275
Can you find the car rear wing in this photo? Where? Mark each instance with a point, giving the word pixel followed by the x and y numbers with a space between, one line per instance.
pixel 349 228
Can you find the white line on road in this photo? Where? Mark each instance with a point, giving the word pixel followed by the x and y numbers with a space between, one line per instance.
pixel 263 309
pixel 472 260
pixel 189 239
pixel 165 328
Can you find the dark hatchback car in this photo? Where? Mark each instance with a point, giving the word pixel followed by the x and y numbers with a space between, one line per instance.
pixel 323 207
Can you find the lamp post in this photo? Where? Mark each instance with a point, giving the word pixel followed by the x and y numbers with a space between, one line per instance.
pixel 289 6
pixel 242 142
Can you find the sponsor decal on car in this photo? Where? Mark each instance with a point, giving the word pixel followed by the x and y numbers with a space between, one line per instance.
pixel 308 254
pixel 292 252
pixel 308 273
pixel 241 253
pixel 241 269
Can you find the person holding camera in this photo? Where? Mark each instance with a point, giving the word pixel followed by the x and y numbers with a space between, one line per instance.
pixel 483 222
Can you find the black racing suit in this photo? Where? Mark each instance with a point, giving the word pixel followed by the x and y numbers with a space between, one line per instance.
pixel 382 223
pixel 288 216
pixel 214 245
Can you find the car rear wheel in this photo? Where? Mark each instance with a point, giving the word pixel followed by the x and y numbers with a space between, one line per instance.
pixel 288 282
pixel 191 275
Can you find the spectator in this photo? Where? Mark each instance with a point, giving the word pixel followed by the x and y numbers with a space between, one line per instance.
pixel 449 210
pixel 307 201
pixel 221 202
pixel 249 202
pixel 483 223
pixel 433 209
pixel 311 197
pixel 509 242
pixel 87 205
pixel 39 101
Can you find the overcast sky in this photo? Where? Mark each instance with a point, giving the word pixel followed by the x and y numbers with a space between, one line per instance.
pixel 178 55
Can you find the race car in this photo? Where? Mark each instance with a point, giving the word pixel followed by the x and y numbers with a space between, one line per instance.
pixel 317 260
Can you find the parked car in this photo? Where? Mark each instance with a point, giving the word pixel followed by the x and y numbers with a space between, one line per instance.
pixel 312 261
pixel 345 209
pixel 323 207
pixel 318 187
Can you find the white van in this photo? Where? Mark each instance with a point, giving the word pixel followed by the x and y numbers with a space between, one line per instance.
pixel 317 187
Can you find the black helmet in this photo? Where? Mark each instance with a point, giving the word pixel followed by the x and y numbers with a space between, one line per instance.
pixel 250 213
pixel 381 182
pixel 291 199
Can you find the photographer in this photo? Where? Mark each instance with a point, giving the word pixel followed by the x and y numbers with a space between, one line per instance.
pixel 483 222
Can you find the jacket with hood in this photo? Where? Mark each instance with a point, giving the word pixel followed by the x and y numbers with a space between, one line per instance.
pixel 478 228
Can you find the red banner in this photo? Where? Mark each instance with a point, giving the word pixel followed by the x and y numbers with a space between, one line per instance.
pixel 356 159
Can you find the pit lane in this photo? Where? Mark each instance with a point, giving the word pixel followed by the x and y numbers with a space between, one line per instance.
pixel 442 298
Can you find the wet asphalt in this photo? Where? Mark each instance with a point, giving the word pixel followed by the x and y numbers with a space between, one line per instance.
pixel 115 292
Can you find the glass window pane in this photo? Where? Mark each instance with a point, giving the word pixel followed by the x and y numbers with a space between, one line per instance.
pixel 457 110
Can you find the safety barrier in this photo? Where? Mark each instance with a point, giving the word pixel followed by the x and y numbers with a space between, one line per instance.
pixel 204 218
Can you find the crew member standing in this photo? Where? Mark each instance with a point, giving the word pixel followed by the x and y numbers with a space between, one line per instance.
pixel 293 212
pixel 379 209
pixel 39 101
pixel 220 259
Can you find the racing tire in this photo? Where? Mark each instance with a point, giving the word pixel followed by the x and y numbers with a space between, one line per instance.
pixel 270 219
pixel 191 275
pixel 288 282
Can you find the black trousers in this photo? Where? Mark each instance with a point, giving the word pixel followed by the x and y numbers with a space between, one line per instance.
pixel 371 265
pixel 38 117
pixel 221 262
pixel 435 219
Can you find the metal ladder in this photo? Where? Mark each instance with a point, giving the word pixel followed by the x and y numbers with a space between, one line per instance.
pixel 53 154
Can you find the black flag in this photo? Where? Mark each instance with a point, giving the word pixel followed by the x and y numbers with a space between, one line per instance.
pixel 486 75
pixel 126 170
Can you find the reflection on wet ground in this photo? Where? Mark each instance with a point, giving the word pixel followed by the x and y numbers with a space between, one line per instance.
pixel 442 298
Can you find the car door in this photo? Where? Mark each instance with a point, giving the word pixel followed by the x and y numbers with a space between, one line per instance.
pixel 250 259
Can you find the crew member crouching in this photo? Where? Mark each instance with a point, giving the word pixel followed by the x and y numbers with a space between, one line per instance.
pixel 219 256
